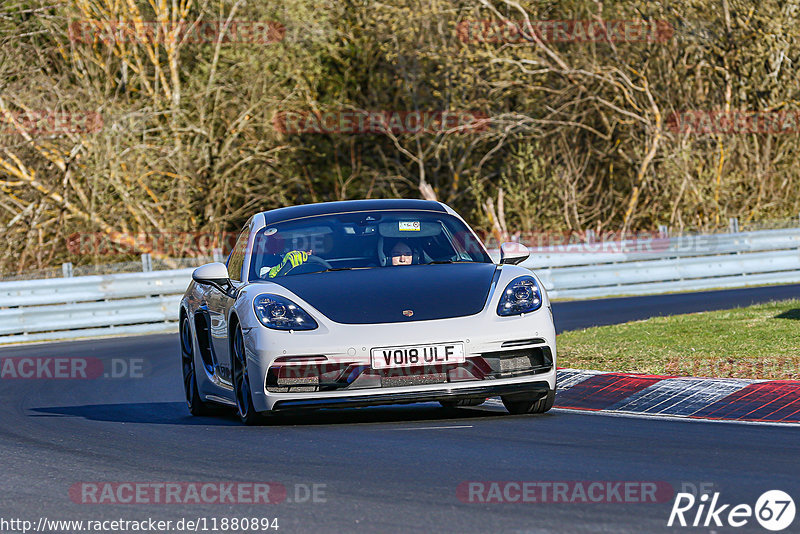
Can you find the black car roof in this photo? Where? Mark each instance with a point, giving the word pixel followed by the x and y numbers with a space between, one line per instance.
pixel 345 206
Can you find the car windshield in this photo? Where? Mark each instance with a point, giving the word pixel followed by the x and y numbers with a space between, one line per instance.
pixel 362 240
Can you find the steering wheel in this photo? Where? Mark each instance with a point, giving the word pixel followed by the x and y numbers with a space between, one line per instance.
pixel 312 259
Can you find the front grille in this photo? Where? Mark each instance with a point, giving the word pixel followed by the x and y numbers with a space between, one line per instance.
pixel 516 363
pixel 309 377
pixel 405 379
pixel 510 363
pixel 289 377
pixel 306 376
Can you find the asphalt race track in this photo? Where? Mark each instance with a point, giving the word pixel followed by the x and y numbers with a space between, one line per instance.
pixel 571 315
pixel 394 469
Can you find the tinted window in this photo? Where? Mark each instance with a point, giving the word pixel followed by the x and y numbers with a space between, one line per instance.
pixel 362 240
pixel 236 259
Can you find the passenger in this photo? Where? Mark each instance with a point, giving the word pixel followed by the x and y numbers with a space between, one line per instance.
pixel 291 260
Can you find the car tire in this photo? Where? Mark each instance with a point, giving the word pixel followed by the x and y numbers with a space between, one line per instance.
pixel 241 382
pixel 524 406
pixel 194 402
pixel 461 403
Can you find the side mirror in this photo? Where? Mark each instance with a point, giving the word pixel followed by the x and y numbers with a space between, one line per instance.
pixel 513 253
pixel 213 274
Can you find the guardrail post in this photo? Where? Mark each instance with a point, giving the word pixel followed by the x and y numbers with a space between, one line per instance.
pixel 663 231
pixel 591 237
pixel 147 263
pixel 217 252
pixel 733 225
pixel 66 269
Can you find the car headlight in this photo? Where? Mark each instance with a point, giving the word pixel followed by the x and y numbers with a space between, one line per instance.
pixel 281 313
pixel 520 296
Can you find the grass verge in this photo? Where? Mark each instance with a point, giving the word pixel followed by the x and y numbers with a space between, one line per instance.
pixel 761 341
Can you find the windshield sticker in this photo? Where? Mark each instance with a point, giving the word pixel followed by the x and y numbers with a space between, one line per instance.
pixel 409 226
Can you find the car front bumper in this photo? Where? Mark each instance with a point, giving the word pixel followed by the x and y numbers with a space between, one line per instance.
pixel 484 336
pixel 530 390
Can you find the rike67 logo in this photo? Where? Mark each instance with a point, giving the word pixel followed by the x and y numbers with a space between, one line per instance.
pixel 774 510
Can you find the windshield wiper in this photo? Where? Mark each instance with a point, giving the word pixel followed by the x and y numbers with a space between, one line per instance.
pixel 342 269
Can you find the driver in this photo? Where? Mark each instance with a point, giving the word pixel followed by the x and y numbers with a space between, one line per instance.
pixel 291 259
pixel 401 254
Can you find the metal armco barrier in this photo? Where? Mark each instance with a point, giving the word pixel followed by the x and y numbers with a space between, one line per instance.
pixel 640 267
pixel 122 304
pixel 86 306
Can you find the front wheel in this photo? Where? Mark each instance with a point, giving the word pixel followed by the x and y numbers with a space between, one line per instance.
pixel 241 382
pixel 526 406
pixel 194 402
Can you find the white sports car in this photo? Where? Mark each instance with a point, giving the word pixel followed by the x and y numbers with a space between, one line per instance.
pixel 362 303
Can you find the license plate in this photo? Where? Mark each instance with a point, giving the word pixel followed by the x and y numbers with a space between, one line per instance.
pixel 417 355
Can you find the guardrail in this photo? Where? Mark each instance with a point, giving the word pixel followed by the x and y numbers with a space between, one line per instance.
pixel 85 306
pixel 121 304
pixel 638 267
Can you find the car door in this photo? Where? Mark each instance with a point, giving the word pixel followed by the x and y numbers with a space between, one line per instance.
pixel 219 305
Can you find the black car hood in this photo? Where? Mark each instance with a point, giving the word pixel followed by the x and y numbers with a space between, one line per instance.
pixel 388 294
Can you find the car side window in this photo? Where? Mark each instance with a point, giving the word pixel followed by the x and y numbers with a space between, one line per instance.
pixel 236 259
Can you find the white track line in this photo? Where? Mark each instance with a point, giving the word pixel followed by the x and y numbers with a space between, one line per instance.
pixel 432 427
pixel 674 418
